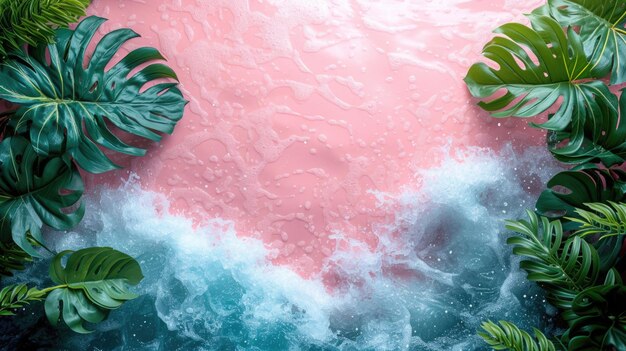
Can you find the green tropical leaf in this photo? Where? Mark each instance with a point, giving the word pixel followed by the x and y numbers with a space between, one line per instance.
pixel 33 21
pixel 600 319
pixel 605 225
pixel 66 107
pixel 35 191
pixel 602 220
pixel 507 336
pixel 563 267
pixel 604 138
pixel 17 296
pixel 613 277
pixel 12 258
pixel 92 282
pixel 571 190
pixel 602 31
pixel 532 88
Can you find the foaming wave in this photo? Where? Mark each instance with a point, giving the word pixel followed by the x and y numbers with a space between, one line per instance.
pixel 438 270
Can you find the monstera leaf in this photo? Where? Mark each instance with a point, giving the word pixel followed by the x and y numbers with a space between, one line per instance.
pixel 602 31
pixel 35 191
pixel 600 322
pixel 68 100
pixel 531 88
pixel 92 282
pixel 604 138
pixel 570 190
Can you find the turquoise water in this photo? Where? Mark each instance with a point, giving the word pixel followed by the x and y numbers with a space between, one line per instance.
pixel 428 288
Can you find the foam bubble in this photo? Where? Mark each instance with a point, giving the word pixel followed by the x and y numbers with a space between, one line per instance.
pixel 435 273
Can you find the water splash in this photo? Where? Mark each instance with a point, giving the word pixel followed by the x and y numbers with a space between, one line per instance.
pixel 432 276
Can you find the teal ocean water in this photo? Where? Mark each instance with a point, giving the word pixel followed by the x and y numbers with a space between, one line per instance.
pixel 439 270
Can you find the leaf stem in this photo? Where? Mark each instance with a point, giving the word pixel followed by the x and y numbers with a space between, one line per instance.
pixel 47 290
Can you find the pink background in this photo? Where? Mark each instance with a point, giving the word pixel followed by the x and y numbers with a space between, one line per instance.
pixel 299 108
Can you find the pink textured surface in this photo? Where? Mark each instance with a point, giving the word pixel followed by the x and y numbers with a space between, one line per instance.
pixel 300 107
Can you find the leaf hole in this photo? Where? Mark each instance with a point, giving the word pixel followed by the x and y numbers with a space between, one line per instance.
pixel 94 87
pixel 561 190
pixel 79 264
pixel 531 55
pixel 519 62
pixel 97 270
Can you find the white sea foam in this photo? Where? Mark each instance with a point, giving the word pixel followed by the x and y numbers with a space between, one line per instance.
pixel 438 271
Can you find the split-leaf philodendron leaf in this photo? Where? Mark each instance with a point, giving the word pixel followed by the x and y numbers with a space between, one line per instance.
pixel 92 282
pixel 604 138
pixel 67 98
pixel 602 30
pixel 533 87
pixel 35 190
pixel 569 190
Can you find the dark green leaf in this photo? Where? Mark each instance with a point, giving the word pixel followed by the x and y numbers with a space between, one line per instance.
pixel 570 190
pixel 600 322
pixel 35 191
pixel 12 258
pixel 92 282
pixel 67 107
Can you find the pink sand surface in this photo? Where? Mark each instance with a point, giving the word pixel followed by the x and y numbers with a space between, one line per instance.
pixel 299 108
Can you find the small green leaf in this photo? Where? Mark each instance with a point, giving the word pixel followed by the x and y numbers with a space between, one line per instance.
pixel 92 282
pixel 507 336
pixel 17 296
